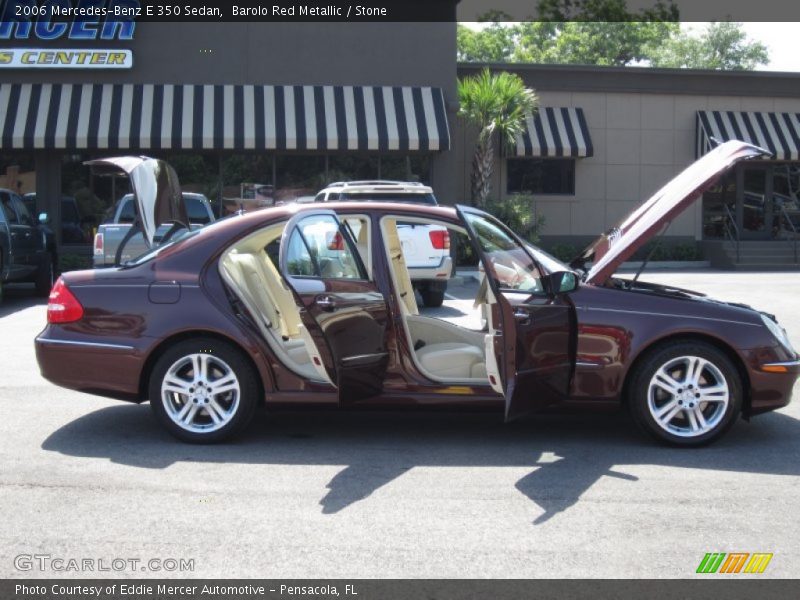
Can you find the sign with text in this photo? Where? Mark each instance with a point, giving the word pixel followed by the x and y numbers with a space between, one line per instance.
pixel 65 58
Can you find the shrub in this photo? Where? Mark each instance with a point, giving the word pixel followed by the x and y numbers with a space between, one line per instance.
pixel 519 214
pixel 73 262
pixel 564 252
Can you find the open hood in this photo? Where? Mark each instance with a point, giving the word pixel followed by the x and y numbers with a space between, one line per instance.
pixel 155 188
pixel 618 244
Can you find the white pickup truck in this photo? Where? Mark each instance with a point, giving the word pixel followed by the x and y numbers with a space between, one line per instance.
pixel 111 233
pixel 426 248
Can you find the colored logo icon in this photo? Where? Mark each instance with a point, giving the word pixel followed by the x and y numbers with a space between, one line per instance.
pixel 734 562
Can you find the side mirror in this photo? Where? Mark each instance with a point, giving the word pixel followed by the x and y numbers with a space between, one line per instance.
pixel 562 282
pixel 44 219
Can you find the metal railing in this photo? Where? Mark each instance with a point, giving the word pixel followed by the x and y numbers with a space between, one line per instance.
pixel 732 231
pixel 784 216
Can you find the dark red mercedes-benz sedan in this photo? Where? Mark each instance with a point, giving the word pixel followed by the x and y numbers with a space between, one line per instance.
pixel 314 304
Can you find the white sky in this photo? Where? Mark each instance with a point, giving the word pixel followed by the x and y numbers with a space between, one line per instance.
pixel 780 39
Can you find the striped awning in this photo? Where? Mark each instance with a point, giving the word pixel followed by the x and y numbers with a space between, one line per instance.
pixel 777 132
pixel 221 117
pixel 554 132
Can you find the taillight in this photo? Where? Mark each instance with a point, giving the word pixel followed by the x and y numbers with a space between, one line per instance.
pixel 440 239
pixel 63 307
pixel 98 244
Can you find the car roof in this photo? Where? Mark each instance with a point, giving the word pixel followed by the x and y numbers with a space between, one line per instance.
pixel 260 216
pixel 377 185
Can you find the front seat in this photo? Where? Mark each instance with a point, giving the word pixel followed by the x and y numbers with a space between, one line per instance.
pixel 452 360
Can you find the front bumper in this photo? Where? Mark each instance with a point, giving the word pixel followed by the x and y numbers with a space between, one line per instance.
pixel 771 385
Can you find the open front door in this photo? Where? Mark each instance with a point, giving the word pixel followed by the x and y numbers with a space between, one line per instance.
pixel 533 328
pixel 343 310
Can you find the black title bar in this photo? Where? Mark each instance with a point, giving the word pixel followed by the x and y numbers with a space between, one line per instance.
pixel 392 10
pixel 394 589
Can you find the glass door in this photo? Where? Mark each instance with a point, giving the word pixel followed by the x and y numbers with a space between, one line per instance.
pixel 754 210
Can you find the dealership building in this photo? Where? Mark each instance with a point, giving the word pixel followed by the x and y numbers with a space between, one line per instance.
pixel 292 106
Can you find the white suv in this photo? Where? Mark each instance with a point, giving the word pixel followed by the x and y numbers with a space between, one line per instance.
pixel 426 248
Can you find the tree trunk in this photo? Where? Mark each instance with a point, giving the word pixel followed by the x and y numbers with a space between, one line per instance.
pixel 482 167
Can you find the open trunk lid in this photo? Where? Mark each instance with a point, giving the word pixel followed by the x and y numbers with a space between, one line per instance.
pixel 156 190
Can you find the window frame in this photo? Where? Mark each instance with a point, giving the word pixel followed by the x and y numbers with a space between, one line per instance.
pixel 563 160
pixel 364 275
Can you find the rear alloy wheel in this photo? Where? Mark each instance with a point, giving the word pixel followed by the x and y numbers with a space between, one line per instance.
pixel 203 391
pixel 686 393
pixel 45 278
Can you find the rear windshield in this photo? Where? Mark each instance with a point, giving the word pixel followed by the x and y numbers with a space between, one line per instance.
pixel 196 208
pixel 429 199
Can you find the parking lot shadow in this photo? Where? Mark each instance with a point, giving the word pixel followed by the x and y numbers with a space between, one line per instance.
pixel 565 454
pixel 18 297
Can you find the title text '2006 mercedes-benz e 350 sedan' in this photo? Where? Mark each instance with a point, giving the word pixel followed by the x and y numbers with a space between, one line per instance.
pixel 314 304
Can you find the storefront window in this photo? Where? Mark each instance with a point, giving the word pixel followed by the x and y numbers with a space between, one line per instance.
pixel 88 198
pixel 298 176
pixel 786 193
pixel 18 173
pixel 350 167
pixel 540 176
pixel 715 201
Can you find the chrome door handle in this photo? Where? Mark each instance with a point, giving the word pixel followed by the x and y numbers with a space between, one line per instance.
pixel 325 303
pixel 522 317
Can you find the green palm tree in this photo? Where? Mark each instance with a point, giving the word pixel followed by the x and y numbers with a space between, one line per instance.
pixel 498 105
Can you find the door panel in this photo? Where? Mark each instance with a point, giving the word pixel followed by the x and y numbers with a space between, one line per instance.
pixel 544 350
pixel 22 242
pixel 344 311
pixel 534 330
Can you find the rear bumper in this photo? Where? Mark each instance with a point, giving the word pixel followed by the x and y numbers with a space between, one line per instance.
pixel 75 365
pixel 440 272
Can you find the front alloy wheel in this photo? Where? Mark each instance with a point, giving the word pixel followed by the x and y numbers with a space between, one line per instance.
pixel 203 391
pixel 687 394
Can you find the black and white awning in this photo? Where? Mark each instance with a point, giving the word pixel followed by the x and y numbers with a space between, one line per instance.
pixel 777 132
pixel 554 132
pixel 222 117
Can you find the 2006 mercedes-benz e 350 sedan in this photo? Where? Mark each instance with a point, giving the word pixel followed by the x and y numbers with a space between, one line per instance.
pixel 301 304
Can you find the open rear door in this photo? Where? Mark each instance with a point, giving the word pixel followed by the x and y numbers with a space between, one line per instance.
pixel 534 329
pixel 343 310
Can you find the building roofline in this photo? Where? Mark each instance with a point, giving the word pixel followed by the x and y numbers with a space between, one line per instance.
pixel 596 78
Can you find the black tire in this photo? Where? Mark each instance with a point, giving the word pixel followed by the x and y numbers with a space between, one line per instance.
pixel 432 298
pixel 45 276
pixel 221 355
pixel 684 429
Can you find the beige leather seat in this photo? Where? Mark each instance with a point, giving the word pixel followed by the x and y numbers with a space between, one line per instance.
pixel 452 360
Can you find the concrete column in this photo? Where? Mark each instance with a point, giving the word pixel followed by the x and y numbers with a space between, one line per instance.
pixel 48 189
pixel 445 166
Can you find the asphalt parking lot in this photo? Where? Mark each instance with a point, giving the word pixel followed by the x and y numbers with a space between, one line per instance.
pixel 309 494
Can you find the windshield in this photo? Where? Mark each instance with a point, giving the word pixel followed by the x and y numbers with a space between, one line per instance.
pixel 547 261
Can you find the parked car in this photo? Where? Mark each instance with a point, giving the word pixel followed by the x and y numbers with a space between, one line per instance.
pixel 285 306
pixel 111 233
pixel 73 225
pixel 426 247
pixel 27 251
